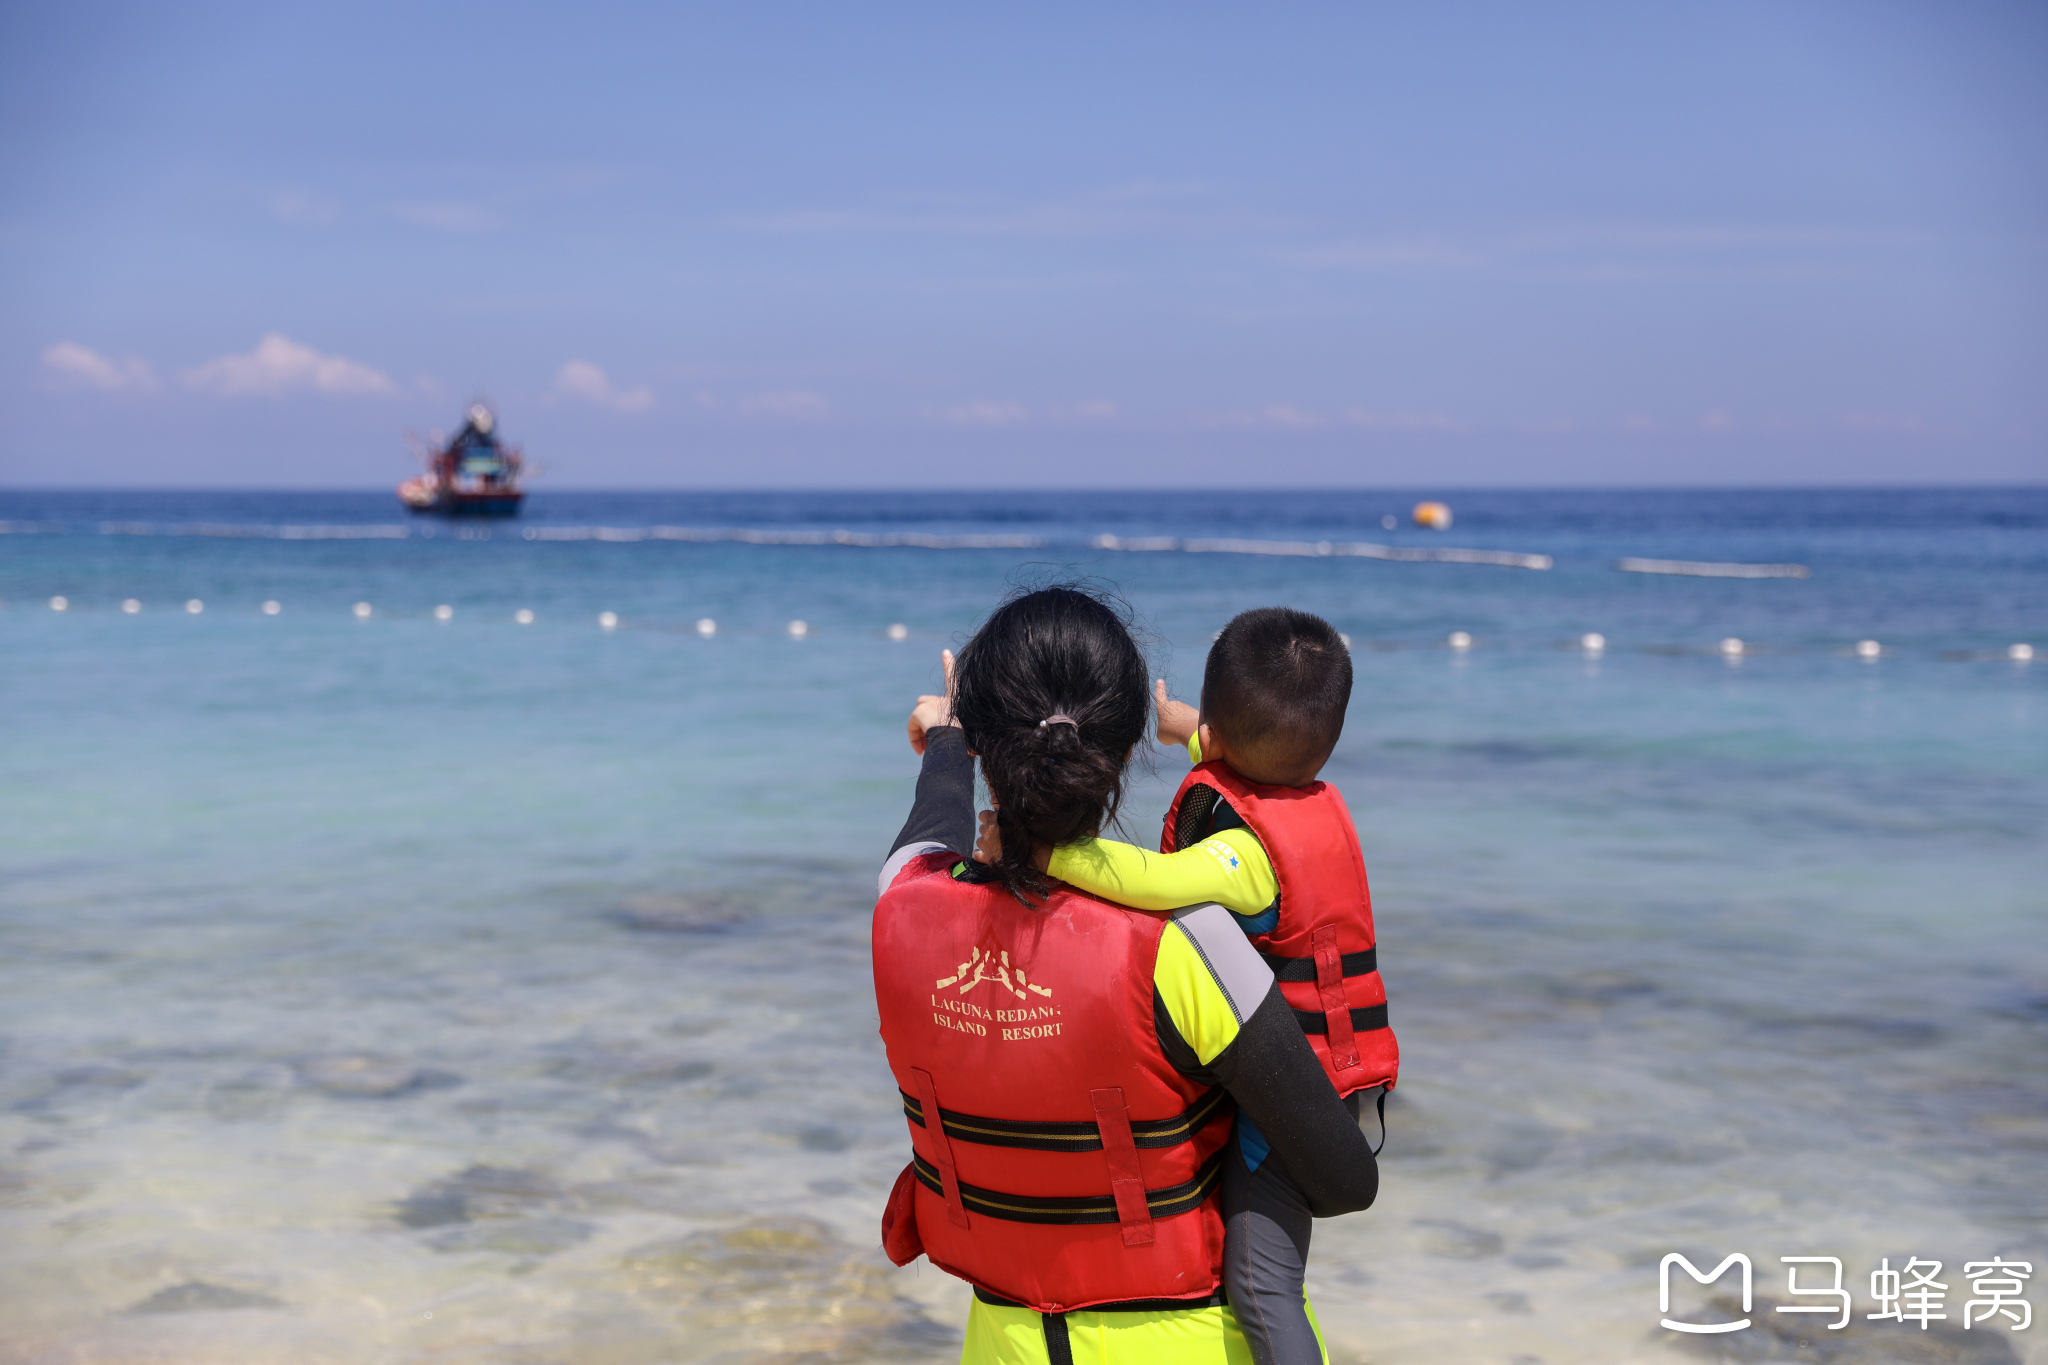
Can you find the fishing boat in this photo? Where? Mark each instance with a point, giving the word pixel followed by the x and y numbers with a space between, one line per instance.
pixel 473 475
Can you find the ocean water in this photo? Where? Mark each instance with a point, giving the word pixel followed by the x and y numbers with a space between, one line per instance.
pixel 385 988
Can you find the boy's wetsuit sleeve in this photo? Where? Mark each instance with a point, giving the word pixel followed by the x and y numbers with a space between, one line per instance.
pixel 1222 1021
pixel 942 814
pixel 1230 867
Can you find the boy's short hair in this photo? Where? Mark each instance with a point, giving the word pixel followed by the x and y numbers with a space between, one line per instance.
pixel 1275 688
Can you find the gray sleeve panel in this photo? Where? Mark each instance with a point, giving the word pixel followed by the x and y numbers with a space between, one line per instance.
pixel 901 857
pixel 1239 971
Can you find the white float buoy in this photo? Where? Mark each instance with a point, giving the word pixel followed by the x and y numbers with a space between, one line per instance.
pixel 2020 654
pixel 444 612
pixel 60 604
pixel 131 606
pixel 195 606
pixel 1460 640
pixel 608 620
pixel 1390 521
pixel 799 629
pixel 523 617
pixel 1732 647
pixel 1868 649
pixel 1593 642
pixel 1345 638
pixel 272 607
pixel 706 627
pixel 362 610
pixel 899 631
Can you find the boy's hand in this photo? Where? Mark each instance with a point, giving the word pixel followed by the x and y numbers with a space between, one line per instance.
pixel 932 713
pixel 988 844
pixel 1177 720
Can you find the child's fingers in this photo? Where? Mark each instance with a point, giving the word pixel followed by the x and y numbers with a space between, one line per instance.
pixel 1159 691
pixel 946 658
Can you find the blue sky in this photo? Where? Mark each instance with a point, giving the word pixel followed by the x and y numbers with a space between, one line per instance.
pixel 935 245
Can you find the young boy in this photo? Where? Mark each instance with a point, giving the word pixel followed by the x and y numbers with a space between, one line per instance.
pixel 1254 831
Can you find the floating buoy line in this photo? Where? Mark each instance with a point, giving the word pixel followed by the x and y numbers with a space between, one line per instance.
pixel 1313 549
pixel 1691 568
pixel 1430 515
pixel 1593 644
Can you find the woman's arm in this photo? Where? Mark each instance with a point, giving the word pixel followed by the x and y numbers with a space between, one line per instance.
pixel 1222 1020
pixel 942 812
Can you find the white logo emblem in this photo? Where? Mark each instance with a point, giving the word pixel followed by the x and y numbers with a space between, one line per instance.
pixel 1664 1291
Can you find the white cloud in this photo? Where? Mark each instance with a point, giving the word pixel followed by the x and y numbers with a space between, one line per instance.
pixel 1601 250
pixel 793 403
pixel 1283 416
pixel 70 365
pixel 448 216
pixel 1141 208
pixel 981 412
pixel 581 379
pixel 1401 421
pixel 281 365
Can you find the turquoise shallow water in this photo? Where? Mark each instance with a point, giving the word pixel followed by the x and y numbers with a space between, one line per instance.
pixel 398 989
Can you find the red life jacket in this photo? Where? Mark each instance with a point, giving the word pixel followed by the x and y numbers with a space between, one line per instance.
pixel 1074 1166
pixel 1322 951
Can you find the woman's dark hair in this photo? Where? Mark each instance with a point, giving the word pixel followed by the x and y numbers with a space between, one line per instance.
pixel 1051 694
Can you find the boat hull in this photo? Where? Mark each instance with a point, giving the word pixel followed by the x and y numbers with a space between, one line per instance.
pixel 423 498
pixel 470 505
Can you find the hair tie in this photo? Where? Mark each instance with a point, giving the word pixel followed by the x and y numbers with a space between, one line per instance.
pixel 1057 719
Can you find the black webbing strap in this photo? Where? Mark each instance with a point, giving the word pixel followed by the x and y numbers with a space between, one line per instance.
pixel 1170 1202
pixel 1059 1346
pixel 1070 1137
pixel 1215 1300
pixel 1383 1122
pixel 1304 968
pixel 1364 1019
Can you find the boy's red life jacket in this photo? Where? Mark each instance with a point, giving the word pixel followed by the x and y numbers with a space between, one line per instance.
pixel 1323 951
pixel 1074 1166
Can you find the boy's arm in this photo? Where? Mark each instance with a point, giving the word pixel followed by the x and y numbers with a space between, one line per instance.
pixel 1229 868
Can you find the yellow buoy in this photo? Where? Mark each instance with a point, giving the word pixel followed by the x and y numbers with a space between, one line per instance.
pixel 1435 515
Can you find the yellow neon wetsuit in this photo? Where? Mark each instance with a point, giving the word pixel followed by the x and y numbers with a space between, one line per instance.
pixel 1230 867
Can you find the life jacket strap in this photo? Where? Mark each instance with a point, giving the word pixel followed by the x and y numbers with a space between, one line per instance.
pixel 1217 1299
pixel 1330 989
pixel 1169 1202
pixel 1039 1136
pixel 1364 1019
pixel 942 1147
pixel 1304 968
pixel 1126 1175
pixel 1059 1343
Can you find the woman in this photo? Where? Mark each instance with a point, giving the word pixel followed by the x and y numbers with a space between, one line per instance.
pixel 1065 1063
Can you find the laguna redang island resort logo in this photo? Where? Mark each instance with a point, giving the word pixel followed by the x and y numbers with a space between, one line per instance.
pixel 988 964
